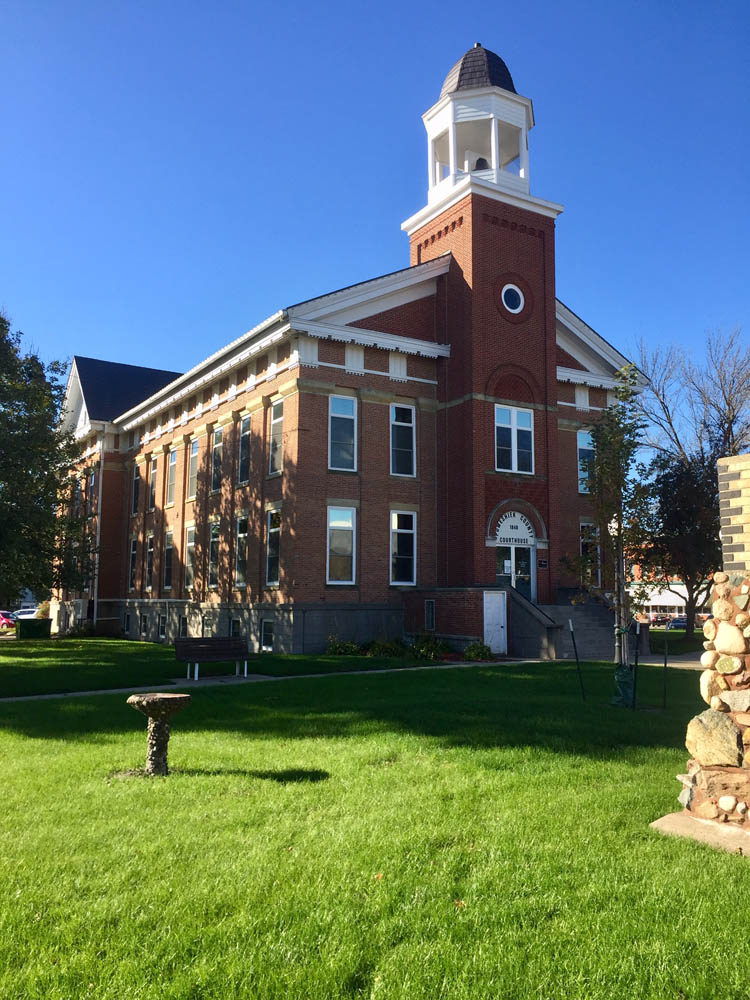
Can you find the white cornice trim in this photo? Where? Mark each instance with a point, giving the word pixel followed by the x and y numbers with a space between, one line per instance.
pixel 158 402
pixel 372 338
pixel 354 295
pixel 468 94
pixel 471 184
pixel 173 390
pixel 578 377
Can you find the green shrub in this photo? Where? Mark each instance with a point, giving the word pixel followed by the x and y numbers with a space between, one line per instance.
pixel 386 647
pixel 427 647
pixel 340 647
pixel 478 651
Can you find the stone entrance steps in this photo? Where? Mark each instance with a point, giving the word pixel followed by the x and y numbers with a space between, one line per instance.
pixel 594 630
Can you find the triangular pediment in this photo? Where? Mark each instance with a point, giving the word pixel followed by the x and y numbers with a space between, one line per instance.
pixel 582 351
pixel 75 416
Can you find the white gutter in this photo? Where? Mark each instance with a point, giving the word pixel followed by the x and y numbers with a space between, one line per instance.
pixel 98 528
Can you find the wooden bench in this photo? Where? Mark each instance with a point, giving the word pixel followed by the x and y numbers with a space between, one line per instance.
pixel 210 650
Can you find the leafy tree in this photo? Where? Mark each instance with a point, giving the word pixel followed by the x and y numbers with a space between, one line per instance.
pixel 617 493
pixel 681 527
pixel 38 548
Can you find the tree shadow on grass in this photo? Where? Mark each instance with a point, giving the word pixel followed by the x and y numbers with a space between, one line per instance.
pixel 532 705
pixel 288 776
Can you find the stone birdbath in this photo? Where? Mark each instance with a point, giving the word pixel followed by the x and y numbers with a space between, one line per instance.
pixel 159 708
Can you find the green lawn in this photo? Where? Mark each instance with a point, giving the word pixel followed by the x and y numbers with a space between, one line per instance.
pixel 678 641
pixel 457 834
pixel 61 665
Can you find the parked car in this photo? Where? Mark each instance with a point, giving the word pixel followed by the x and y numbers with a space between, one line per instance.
pixel 660 619
pixel 7 619
pixel 678 623
pixel 26 613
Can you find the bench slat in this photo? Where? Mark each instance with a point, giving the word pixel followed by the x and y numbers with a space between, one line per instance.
pixel 210 650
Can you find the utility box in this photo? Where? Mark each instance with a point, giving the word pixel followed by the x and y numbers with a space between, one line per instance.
pixel 33 628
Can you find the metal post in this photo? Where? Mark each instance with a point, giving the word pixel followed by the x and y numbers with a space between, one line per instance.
pixel 635 665
pixel 666 644
pixel 578 662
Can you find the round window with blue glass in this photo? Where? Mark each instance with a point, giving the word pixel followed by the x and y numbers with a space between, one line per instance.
pixel 512 298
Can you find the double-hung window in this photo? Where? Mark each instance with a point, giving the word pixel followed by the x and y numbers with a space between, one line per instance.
pixel 342 433
pixel 243 475
pixel 403 547
pixel 189 557
pixel 341 545
pixel 193 471
pixel 171 474
pixel 136 487
pixel 591 569
pixel 402 440
pixel 275 447
pixel 168 559
pixel 585 455
pixel 240 560
pixel 514 439
pixel 273 538
pixel 152 486
pixel 150 562
pixel 216 454
pixel 133 556
pixel 213 555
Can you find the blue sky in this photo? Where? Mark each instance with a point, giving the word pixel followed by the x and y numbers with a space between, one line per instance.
pixel 175 172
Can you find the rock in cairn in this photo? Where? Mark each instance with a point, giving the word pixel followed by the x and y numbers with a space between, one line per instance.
pixel 717 783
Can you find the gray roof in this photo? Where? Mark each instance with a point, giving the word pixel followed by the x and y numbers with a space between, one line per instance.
pixel 110 388
pixel 478 68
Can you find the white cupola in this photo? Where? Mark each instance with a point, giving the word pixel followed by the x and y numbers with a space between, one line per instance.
pixel 479 127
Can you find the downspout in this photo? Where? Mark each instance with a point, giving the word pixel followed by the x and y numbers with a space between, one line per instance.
pixel 98 528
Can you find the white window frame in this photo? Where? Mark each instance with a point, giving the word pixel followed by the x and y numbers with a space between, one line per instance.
pixel 393 422
pixel 402 531
pixel 277 531
pixel 171 475
pixel 237 536
pixel 136 490
pixel 341 583
pixel 514 411
pixel 168 547
pixel 162 626
pixel 583 478
pixel 132 564
pixel 189 556
pixel 272 424
pixel 217 446
pixel 331 415
pixel 245 428
pixel 263 647
pixel 150 550
pixel 193 455
pixel 153 473
pixel 217 562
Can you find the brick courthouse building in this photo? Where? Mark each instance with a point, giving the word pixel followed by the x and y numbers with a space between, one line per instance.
pixel 401 455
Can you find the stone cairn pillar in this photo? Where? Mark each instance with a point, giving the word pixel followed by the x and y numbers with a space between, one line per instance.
pixel 717 783
pixel 159 708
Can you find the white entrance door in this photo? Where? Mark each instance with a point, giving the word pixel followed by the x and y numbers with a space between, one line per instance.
pixel 495 621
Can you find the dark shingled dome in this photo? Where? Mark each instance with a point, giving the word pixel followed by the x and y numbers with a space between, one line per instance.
pixel 478 68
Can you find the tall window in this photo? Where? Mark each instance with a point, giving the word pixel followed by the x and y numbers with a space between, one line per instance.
pixel 183 630
pixel 514 439
pixel 240 564
pixel 585 454
pixel 341 554
pixel 403 547
pixel 591 570
pixel 272 547
pixel 275 449
pixel 150 562
pixel 429 615
pixel 244 469
pixel 213 556
pixel 266 635
pixel 152 486
pixel 402 440
pixel 133 555
pixel 171 474
pixel 136 487
pixel 189 558
pixel 216 460
pixel 162 626
pixel 342 433
pixel 193 470
pixel 168 560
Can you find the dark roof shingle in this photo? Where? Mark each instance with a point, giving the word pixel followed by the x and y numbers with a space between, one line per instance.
pixel 110 388
pixel 478 68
